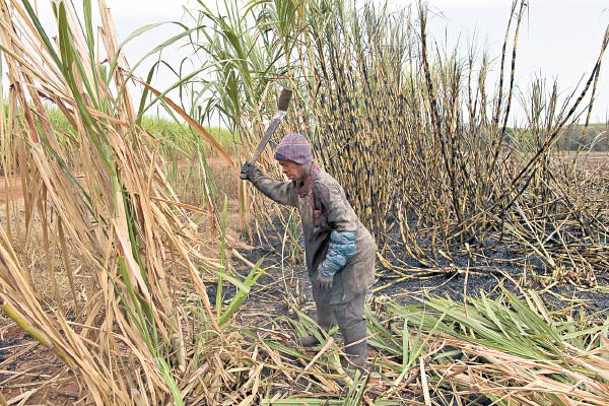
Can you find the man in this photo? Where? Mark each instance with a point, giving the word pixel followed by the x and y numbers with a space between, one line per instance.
pixel 340 252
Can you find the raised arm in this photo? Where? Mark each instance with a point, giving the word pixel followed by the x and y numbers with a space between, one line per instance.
pixel 280 192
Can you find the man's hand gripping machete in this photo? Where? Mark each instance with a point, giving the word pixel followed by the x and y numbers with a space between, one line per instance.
pixel 282 109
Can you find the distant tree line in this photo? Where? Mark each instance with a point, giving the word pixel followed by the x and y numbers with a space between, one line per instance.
pixel 593 138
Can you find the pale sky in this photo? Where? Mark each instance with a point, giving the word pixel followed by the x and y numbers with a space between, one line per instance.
pixel 559 39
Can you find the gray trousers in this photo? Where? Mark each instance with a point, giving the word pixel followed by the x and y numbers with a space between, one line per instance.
pixel 344 314
pixel 350 319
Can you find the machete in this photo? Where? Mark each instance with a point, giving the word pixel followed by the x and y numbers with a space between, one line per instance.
pixel 282 109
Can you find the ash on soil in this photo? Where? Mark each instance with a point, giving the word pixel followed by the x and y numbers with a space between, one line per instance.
pixel 487 271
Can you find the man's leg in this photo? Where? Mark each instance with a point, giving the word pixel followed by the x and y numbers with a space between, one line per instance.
pixel 326 318
pixel 350 317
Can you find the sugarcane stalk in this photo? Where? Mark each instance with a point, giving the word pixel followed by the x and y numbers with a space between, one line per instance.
pixel 22 322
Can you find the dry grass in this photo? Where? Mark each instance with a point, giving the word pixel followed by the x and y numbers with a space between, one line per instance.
pixel 106 224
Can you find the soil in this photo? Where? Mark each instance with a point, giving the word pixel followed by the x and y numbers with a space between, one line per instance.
pixel 32 373
pixel 490 274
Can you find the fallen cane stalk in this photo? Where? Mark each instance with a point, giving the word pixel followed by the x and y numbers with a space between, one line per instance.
pixel 424 385
pixel 20 320
pixel 325 348
pixel 22 398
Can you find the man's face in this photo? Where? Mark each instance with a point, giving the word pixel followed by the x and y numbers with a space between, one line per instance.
pixel 292 170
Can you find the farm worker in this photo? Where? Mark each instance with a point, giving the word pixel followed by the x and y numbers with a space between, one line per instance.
pixel 340 252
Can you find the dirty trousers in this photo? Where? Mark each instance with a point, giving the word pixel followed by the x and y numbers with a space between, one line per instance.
pixel 349 316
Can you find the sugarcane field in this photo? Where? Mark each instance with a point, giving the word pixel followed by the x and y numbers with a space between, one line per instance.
pixel 302 202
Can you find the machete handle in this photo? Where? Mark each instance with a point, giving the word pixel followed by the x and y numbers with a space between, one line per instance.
pixel 284 99
pixel 282 107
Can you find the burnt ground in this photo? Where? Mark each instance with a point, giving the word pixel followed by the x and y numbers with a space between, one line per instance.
pixel 487 271
pixel 33 374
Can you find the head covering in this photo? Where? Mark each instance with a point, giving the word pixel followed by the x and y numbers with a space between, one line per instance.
pixel 294 147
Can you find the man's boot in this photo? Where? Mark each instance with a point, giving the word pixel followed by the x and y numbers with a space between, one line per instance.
pixel 356 346
pixel 308 341
pixel 325 320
